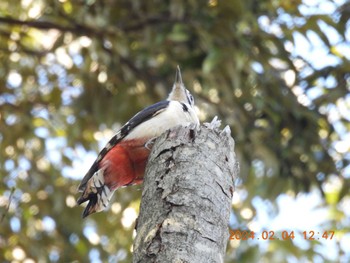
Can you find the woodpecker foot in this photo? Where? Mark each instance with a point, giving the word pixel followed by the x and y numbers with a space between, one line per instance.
pixel 149 144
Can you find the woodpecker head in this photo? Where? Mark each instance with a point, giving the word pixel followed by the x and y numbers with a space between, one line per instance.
pixel 179 91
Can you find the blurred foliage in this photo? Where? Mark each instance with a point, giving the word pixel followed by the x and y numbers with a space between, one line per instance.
pixel 72 71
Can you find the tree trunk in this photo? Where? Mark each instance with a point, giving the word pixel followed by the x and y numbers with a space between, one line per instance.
pixel 186 198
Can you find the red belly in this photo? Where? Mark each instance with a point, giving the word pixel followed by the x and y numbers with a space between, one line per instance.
pixel 125 164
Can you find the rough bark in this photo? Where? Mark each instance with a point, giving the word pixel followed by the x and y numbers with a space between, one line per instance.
pixel 186 199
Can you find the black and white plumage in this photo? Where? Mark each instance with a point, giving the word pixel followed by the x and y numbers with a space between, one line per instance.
pixel 122 161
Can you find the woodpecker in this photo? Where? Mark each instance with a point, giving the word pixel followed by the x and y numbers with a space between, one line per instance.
pixel 123 160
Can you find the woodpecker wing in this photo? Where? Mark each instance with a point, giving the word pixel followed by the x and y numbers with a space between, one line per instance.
pixel 140 117
pixel 123 160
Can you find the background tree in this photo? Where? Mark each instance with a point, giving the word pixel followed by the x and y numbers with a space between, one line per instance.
pixel 71 72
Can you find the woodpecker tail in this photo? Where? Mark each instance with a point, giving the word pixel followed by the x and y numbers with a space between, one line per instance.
pixel 96 192
pixel 123 160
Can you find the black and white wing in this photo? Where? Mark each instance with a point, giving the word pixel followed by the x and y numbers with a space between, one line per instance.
pixel 141 117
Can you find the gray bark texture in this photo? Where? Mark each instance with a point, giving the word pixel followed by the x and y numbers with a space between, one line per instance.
pixel 186 198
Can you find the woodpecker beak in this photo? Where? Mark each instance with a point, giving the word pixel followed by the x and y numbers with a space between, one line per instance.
pixel 178 78
pixel 178 92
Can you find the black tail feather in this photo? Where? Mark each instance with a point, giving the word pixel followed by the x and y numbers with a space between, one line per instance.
pixel 90 208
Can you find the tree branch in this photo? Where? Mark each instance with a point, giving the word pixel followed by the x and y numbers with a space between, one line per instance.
pixel 77 29
pixel 80 29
